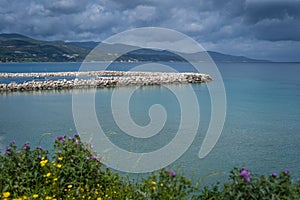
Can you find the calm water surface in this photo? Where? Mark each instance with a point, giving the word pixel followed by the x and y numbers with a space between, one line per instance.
pixel 261 131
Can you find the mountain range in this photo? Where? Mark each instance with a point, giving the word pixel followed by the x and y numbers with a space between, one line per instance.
pixel 19 48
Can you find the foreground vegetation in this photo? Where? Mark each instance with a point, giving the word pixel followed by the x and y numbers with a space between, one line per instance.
pixel 72 171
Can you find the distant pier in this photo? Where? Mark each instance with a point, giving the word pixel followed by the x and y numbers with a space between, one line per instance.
pixel 98 79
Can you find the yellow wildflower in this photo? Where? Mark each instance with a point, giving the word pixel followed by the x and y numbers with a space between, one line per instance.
pixel 153 183
pixel 70 186
pixel 99 198
pixel 6 194
pixel 161 184
pixel 35 196
pixel 58 165
pixel 49 198
pixel 43 163
pixel 55 179
pixel 48 174
pixel 60 158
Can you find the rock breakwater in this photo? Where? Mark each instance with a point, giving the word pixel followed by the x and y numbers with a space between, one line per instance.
pixel 98 79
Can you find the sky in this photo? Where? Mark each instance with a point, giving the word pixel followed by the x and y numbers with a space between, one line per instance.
pixel 261 29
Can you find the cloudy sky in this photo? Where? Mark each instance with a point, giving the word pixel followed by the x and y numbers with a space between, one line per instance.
pixel 263 29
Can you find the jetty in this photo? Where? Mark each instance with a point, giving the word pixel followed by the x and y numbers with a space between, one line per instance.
pixel 98 79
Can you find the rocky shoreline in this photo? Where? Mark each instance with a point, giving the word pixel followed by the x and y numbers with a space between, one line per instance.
pixel 98 79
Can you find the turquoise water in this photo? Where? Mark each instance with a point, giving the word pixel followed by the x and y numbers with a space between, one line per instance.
pixel 261 131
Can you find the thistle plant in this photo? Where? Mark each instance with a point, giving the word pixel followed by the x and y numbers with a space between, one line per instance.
pixel 71 170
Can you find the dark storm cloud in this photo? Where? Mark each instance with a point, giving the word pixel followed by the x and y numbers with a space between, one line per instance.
pixel 280 10
pixel 214 23
pixel 274 20
pixel 65 6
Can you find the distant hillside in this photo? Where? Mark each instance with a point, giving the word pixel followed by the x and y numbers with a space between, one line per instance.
pixel 156 55
pixel 220 57
pixel 88 44
pixel 19 48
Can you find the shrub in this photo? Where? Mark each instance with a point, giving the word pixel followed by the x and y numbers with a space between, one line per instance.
pixel 72 171
pixel 271 187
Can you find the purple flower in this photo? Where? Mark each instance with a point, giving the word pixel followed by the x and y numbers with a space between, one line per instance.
pixel 58 152
pixel 94 157
pixel 87 158
pixel 274 174
pixel 26 146
pixel 77 142
pixel 76 135
pixel 245 174
pixel 286 171
pixel 63 141
pixel 39 147
pixel 7 150
pixel 59 137
pixel 39 156
pixel 172 172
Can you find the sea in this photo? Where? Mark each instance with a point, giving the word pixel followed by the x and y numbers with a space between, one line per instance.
pixel 261 130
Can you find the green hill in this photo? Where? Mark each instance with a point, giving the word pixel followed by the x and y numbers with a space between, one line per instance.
pixel 19 48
